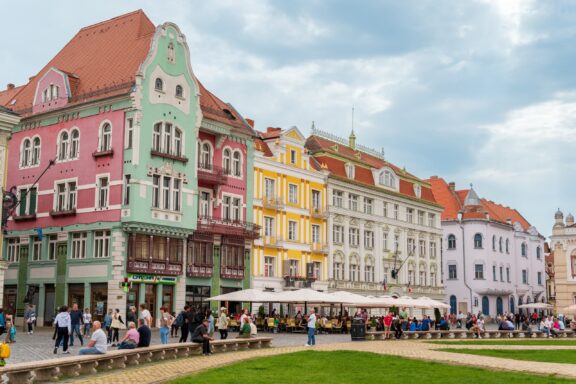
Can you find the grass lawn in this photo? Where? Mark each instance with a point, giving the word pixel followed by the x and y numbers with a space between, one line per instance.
pixel 556 342
pixel 354 367
pixel 566 356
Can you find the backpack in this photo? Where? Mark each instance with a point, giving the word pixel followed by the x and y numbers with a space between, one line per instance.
pixel 4 351
pixel 180 319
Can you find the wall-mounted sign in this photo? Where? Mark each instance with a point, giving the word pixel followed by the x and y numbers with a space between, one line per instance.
pixel 152 279
pixel 62 236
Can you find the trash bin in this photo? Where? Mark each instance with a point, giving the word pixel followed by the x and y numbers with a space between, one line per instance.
pixel 358 329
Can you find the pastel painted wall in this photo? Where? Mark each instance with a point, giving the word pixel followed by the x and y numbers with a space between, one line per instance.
pixel 53 78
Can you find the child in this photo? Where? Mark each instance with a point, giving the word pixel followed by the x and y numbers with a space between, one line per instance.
pixel 87 317
pixel 10 332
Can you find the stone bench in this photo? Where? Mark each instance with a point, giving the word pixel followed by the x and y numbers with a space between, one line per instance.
pixel 53 369
pixel 464 334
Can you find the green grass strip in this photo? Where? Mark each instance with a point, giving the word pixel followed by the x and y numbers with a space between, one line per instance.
pixel 554 342
pixel 564 356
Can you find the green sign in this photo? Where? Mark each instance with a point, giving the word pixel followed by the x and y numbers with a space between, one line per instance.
pixel 152 279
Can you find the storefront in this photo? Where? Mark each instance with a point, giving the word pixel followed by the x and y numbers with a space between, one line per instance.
pixel 153 291
pixel 10 296
pixel 98 300
pixel 197 295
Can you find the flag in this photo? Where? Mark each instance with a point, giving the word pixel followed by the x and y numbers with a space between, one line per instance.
pixel 39 233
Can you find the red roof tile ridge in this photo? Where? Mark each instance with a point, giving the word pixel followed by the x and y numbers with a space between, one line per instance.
pixel 139 12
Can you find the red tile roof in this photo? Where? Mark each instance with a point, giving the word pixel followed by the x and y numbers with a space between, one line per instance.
pixel 453 202
pixel 335 155
pixel 262 146
pixel 7 95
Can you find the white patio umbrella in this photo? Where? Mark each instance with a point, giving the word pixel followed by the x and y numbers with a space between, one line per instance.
pixel 570 308
pixel 247 296
pixel 431 303
pixel 536 306
pixel 306 295
pixel 351 298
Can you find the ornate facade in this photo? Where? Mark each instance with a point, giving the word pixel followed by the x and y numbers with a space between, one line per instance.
pixel 563 265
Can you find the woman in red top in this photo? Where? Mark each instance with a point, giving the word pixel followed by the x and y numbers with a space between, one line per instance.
pixel 387 324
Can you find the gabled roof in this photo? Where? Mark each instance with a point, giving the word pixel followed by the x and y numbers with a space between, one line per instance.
pixel 453 202
pixel 104 57
pixel 334 156
pixel 8 95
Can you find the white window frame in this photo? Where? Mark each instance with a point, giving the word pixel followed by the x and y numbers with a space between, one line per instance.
pixel 52 246
pixel 36 248
pixel 237 164
pixel 316 197
pixel 13 250
pixel 78 250
pixel 269 266
pixel 337 198
pixel 205 155
pixel 452 268
pixel 353 202
pixel 292 193
pixel 102 192
pixel 353 236
pixel 69 196
pixel 63 145
pixel 129 139
pixel 269 227
pixel 102 244
pixel 368 205
pixel 369 239
pixel 227 160
pixel 315 230
pixel 292 230
pixel 338 234
pixel 204 203
pixel 293 156
pixel 161 192
pixel 105 138
pixel 269 188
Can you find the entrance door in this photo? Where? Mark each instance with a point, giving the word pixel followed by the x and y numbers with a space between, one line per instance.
pixel 167 297
pixel 132 297
pixel 463 307
pixel 99 299
pixel 512 308
pixel 150 298
pixel 10 295
pixel 76 295
pixel 49 304
pixel 499 306
pixel 453 304
pixel 485 306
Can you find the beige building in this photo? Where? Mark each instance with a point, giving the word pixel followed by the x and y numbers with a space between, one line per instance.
pixel 563 249
pixel 8 120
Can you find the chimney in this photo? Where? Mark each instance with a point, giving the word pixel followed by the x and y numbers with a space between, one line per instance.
pixel 352 140
pixel 250 122
pixel 31 78
pixel 452 186
pixel 9 86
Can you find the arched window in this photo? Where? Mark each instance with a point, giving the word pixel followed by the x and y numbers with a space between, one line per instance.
pixel 451 242
pixel 494 242
pixel 206 156
pixel 477 240
pixel 158 84
pixel 36 151
pixel 179 91
pixel 500 244
pixel 227 161
pixel 499 306
pixel 485 306
pixel 105 138
pixel 524 250
pixel 237 163
pixel 507 246
pixel 512 307
pixel 26 153
pixel 167 138
pixel 63 145
pixel 387 178
pixel 453 305
pixel 156 137
pixel 177 142
pixel 74 144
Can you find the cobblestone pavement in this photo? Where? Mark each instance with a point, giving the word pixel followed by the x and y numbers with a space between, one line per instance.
pixel 160 372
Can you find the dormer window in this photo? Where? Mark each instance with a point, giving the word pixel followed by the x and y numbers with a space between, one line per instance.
pixel 417 190
pixel 54 91
pixel 350 170
pixel 45 96
pixel 387 179
pixel 179 91
pixel 159 84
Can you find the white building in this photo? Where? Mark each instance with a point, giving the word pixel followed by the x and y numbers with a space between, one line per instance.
pixel 493 259
pixel 381 219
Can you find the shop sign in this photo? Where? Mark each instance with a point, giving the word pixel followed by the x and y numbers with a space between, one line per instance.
pixel 152 279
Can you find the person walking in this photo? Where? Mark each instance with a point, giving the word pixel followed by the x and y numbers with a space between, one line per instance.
pixel 63 325
pixel 166 320
pixel 176 324
pixel 223 323
pixel 200 335
pixel 132 316
pixel 145 314
pixel 98 343
pixel 76 319
pixel 108 325
pixel 210 322
pixel 311 329
pixel 87 318
pixel 117 323
pixel 30 318
pixel 184 324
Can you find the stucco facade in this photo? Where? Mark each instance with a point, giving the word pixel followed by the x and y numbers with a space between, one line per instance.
pixel 563 251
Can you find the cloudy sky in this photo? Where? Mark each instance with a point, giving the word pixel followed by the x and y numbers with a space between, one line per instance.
pixel 478 91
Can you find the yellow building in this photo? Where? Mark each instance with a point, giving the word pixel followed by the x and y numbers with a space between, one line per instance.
pixel 290 205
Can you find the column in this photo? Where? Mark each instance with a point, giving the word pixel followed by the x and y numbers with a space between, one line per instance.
pixel 141 295
pixel 61 288
pixel 179 298
pixel 3 268
pixel 41 304
pixel 87 296
pixel 22 282
pixel 346 250
pixel 215 287
pixel 160 301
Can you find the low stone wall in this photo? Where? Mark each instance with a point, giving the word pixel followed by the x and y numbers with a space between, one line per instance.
pixel 73 366
pixel 463 334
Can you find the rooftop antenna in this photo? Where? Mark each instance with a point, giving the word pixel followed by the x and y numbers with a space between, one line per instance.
pixel 352 118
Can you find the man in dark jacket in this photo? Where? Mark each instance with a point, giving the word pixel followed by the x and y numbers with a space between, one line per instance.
pixel 75 321
pixel 145 334
pixel 200 335
pixel 194 319
pixel 184 329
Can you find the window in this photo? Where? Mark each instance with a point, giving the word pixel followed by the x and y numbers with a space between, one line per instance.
pixel 292 193
pixel 315 233
pixel 420 218
pixel 524 250
pixel 54 91
pixel 368 203
pixel 13 250
pixel 524 276
pixel 396 211
pixel 103 189
pixel 385 241
pixel 158 84
pixel 63 143
pixel 422 278
pixel 354 272
pixel 237 164
pixel 236 209
pixel 65 196
pixel 316 268
pixel 502 274
pixel 338 234
pixel 166 192
pixel 204 209
pixel 477 240
pixel 410 246
pixel 169 140
pixel 79 245
pixel 105 140
pixel 338 271
pixel 417 190
pixel 409 215
pixel 432 249
pixel 353 202
pixel 369 273
pixel 226 207
pixel 36 248
pixel 227 162
pixel 350 171
pixel 354 236
pixel 422 248
pixel 396 242
pixel 129 133
pixel 538 252
pixel 494 273
pixel 385 209
pixel 269 266
pixel 500 244
pixel 411 276
pixel 507 246
pixel 52 241
pixel 179 91
pixel 508 274
pixel 268 226
pixel 431 219
pixel 294 267
pixel 292 230
pixel 101 244
pixel 539 277
pixel 269 188
pixel 177 147
pixel 28 201
pixel 292 156
pixel 126 189
pixel 494 243
pixel 479 271
pixel 368 239
pixel 26 153
pixel 387 179
pixel 432 278
pixel 35 151
pixel 337 198
pixel 156 135
pixel 74 144
pixel 452 272
pixel 315 199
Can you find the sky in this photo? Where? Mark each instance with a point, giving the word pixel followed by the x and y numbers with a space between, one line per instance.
pixel 478 92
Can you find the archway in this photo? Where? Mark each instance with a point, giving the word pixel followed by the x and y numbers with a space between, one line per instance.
pixel 512 308
pixel 453 304
pixel 499 306
pixel 485 306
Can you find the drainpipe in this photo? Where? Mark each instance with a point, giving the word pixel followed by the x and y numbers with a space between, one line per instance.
pixel 464 260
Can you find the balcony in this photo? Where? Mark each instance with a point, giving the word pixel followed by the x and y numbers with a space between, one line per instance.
pixel 319 247
pixel 274 203
pixel 24 217
pixel 197 270
pixel 211 174
pixel 155 267
pixel 156 153
pixel 103 153
pixel 228 227
pixel 63 213
pixel 272 242
pixel 319 213
pixel 232 272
